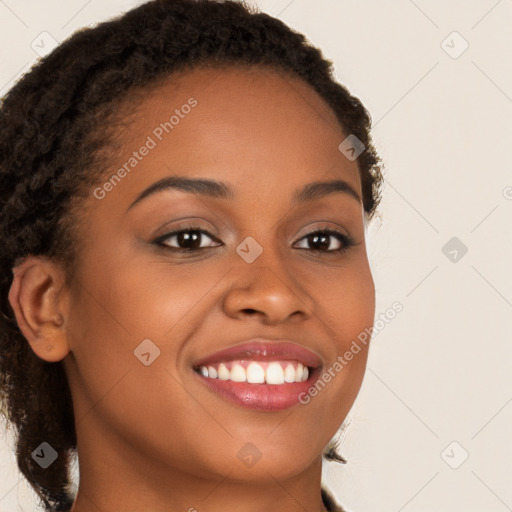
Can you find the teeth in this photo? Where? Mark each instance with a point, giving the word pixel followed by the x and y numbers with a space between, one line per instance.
pixel 224 373
pixel 289 373
pixel 274 374
pixel 254 372
pixel 238 373
pixel 299 372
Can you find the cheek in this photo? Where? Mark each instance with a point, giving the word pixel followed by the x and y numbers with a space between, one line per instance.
pixel 137 299
pixel 115 308
pixel 111 313
pixel 347 310
pixel 346 304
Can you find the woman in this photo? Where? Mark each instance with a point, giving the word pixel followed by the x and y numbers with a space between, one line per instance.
pixel 185 191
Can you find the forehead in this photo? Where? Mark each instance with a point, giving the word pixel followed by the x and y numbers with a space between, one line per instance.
pixel 238 124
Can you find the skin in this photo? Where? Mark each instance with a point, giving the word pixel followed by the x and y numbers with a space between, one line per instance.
pixel 154 437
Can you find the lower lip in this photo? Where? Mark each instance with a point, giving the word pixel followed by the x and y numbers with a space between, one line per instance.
pixel 264 397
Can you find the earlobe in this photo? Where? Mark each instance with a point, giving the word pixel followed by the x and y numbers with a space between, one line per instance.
pixel 37 296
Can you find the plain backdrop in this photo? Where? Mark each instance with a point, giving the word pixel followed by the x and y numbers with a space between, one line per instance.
pixel 430 430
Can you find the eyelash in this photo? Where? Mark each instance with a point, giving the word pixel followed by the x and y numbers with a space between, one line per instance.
pixel 346 240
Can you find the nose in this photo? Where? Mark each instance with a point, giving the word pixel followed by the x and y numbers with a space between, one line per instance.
pixel 267 288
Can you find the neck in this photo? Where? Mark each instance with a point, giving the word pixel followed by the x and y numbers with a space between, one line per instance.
pixel 114 476
pixel 223 495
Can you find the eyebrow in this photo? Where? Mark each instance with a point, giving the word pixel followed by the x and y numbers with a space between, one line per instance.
pixel 220 190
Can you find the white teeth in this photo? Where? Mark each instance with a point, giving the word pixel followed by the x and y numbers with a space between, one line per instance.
pixel 238 373
pixel 289 373
pixel 298 373
pixel 255 373
pixel 224 373
pixel 273 372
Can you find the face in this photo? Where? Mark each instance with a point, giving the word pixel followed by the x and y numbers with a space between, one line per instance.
pixel 151 298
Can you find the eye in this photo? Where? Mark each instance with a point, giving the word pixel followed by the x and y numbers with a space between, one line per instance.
pixel 321 240
pixel 187 239
pixel 192 239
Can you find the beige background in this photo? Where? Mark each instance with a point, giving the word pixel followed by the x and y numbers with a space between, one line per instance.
pixel 439 385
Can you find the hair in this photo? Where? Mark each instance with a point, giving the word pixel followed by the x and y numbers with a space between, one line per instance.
pixel 54 145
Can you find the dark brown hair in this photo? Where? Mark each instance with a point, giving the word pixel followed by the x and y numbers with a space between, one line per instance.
pixel 52 136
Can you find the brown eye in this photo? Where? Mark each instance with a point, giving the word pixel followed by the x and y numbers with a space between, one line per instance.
pixel 322 241
pixel 187 239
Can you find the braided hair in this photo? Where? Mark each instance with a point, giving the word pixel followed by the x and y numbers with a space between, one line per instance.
pixel 54 145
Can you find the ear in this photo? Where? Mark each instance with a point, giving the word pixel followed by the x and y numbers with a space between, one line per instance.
pixel 38 296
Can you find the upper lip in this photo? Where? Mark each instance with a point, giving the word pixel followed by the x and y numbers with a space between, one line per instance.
pixel 261 349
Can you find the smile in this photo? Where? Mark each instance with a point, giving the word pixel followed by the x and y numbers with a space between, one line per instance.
pixel 260 374
pixel 257 372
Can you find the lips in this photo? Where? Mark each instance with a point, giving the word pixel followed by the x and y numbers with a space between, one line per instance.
pixel 263 350
pixel 268 375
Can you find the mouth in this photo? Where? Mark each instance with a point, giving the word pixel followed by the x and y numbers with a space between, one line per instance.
pixel 260 374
